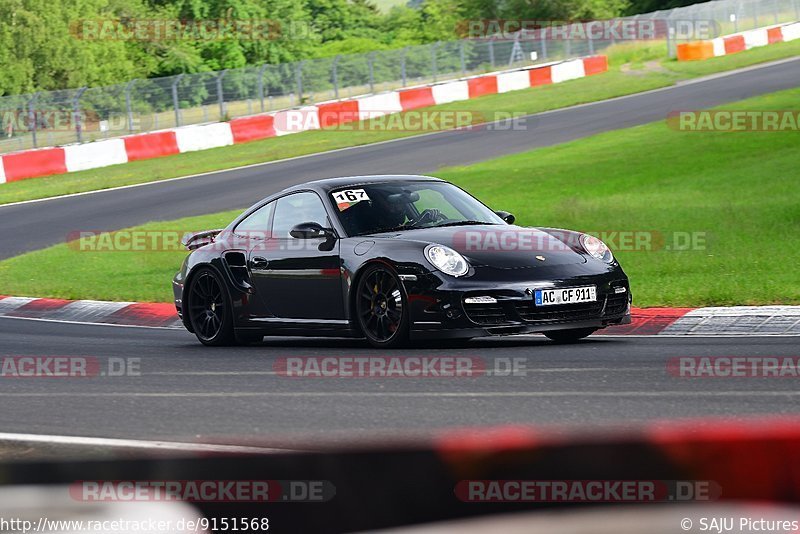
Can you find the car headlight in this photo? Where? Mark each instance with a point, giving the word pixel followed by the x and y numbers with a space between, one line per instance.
pixel 596 248
pixel 447 260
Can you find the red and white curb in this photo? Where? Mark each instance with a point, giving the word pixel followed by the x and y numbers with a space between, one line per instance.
pixel 91 311
pixel 739 320
pixel 71 158
pixel 727 321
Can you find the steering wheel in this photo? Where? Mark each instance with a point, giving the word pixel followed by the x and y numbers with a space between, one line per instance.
pixel 428 215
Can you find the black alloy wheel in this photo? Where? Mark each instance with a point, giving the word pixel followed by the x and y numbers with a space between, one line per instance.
pixel 209 309
pixel 381 306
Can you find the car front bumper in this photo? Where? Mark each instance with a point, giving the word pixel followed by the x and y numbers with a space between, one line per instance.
pixel 438 308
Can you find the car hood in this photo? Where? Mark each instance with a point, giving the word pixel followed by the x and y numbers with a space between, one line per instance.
pixel 499 246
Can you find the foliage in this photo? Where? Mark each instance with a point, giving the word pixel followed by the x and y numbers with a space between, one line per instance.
pixel 44 45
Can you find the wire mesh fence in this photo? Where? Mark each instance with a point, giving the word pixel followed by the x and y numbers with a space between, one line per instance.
pixel 88 114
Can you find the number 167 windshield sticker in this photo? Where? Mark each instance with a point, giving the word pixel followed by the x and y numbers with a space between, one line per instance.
pixel 349 197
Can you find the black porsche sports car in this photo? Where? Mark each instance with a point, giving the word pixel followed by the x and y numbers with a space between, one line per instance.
pixel 393 258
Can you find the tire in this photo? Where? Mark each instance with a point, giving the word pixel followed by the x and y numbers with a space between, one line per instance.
pixel 569 336
pixel 381 308
pixel 210 309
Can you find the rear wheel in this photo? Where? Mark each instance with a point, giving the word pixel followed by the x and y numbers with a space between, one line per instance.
pixel 569 336
pixel 381 307
pixel 210 310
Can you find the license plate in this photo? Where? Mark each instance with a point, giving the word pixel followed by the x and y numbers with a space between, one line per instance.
pixel 564 295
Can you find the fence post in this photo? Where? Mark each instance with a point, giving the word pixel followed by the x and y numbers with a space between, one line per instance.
pixel 434 65
pixel 461 57
pixel 796 10
pixel 755 14
pixel 77 114
pixel 175 104
pixel 591 44
pixel 220 95
pixel 128 106
pixel 775 10
pixel 32 120
pixel 544 42
pixel 298 75
pixel 371 67
pixel 261 85
pixel 403 64
pixel 670 38
pixel 335 77
pixel 568 43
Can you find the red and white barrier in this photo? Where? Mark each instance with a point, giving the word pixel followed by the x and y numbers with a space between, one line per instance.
pixel 203 136
pixel 513 81
pixel 98 154
pixel 450 92
pixel 791 32
pixel 34 163
pixel 738 42
pixel 49 161
pixel 151 145
pixel 296 120
pixel 569 70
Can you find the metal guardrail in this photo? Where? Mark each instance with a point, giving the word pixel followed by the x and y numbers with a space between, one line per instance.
pixel 51 118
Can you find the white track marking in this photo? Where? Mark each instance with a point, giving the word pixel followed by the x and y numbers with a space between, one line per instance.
pixel 568 108
pixel 477 374
pixel 408 394
pixel 537 337
pixel 129 443
pixel 86 323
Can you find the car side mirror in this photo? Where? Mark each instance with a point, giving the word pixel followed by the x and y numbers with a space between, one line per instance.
pixel 310 230
pixel 506 216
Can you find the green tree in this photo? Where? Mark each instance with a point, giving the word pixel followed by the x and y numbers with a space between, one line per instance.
pixel 336 20
pixel 41 49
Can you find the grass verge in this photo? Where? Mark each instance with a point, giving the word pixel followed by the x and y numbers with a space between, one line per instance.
pixel 737 190
pixel 599 87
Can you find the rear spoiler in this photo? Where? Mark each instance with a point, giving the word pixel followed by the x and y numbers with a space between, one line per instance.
pixel 199 239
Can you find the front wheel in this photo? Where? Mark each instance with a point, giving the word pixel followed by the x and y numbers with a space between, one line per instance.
pixel 210 310
pixel 381 307
pixel 569 336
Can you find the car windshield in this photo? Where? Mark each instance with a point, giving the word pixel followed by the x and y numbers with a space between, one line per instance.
pixel 398 206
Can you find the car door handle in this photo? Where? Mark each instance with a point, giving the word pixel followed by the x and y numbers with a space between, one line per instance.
pixel 257 262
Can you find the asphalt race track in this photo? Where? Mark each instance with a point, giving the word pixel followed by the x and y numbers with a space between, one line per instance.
pixel 192 393
pixel 40 224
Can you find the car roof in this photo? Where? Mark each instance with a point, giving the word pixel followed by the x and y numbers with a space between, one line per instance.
pixel 329 184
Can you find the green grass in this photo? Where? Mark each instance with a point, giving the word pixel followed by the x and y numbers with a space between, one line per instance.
pixel 739 189
pixel 608 85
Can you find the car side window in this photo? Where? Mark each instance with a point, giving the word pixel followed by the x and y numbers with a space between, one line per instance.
pixel 295 209
pixel 257 223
